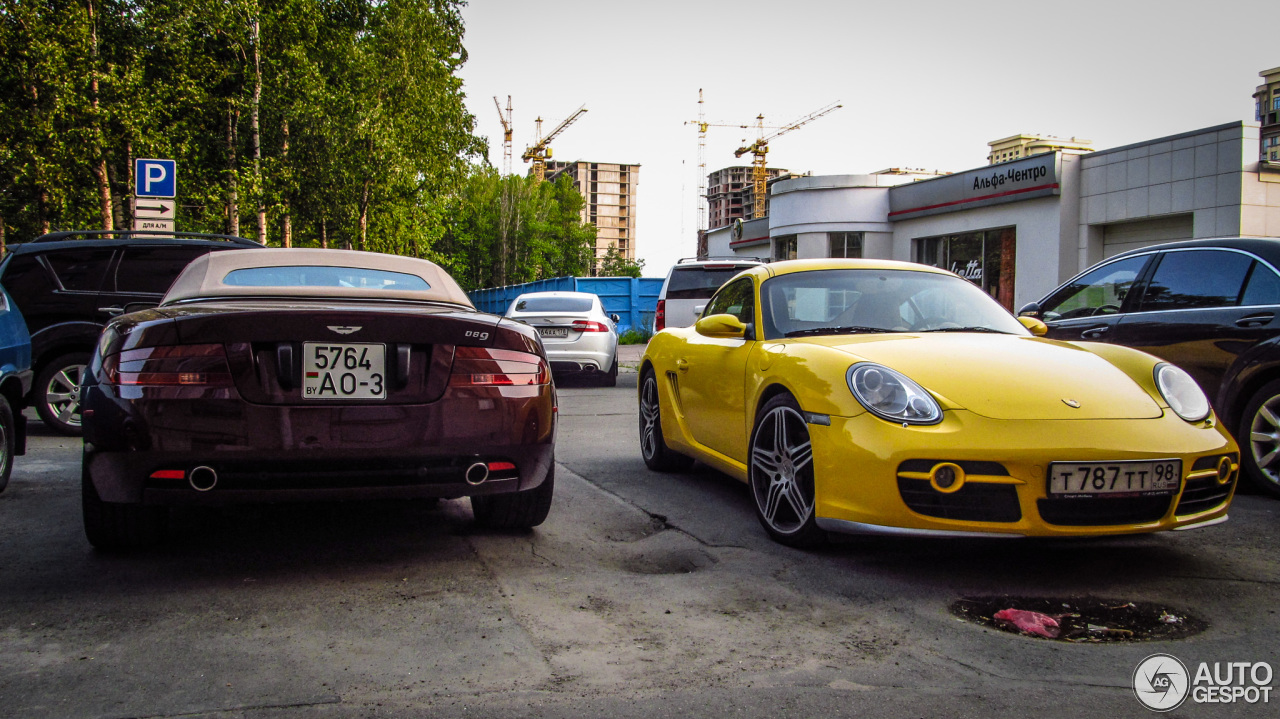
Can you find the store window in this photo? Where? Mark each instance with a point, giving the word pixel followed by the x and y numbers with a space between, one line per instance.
pixel 784 247
pixel 845 244
pixel 985 258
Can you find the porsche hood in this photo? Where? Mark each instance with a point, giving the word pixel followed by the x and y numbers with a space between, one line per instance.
pixel 1007 377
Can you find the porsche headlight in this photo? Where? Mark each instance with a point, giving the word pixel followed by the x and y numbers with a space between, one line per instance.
pixel 1184 396
pixel 890 395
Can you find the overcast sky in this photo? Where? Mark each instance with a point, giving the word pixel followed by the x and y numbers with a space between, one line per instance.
pixel 924 84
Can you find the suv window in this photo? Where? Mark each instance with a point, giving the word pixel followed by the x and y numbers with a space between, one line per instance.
pixel 700 283
pixel 151 270
pixel 1099 292
pixel 1263 287
pixel 737 299
pixel 79 270
pixel 1195 279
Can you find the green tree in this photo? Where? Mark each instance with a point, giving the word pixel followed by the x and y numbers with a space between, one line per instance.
pixel 614 264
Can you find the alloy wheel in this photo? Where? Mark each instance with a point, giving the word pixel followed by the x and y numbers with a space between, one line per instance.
pixel 1264 439
pixel 649 417
pixel 782 470
pixel 62 394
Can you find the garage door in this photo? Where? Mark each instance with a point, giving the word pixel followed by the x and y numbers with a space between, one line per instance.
pixel 1125 236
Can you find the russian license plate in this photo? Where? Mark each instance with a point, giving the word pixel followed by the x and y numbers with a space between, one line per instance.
pixel 1090 479
pixel 553 332
pixel 343 371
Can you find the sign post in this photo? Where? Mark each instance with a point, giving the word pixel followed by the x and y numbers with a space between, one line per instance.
pixel 155 179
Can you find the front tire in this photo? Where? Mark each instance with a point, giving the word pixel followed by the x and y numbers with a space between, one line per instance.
pixel 1260 439
pixel 111 526
pixel 653 448
pixel 781 474
pixel 57 392
pixel 516 510
pixel 8 441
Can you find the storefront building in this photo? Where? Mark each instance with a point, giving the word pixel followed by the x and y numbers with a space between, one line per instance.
pixel 1020 228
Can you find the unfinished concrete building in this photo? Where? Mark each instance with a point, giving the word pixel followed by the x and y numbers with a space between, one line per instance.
pixel 609 191
pixel 731 194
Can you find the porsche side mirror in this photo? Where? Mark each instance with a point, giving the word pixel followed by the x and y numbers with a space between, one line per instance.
pixel 720 326
pixel 1031 309
pixel 1038 328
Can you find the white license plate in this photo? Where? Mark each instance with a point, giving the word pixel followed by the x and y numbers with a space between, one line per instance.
pixel 553 332
pixel 343 371
pixel 1088 479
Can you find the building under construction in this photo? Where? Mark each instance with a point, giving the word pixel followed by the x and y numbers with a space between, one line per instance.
pixel 609 191
pixel 731 194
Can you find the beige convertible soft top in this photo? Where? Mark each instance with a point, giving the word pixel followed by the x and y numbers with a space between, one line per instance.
pixel 205 276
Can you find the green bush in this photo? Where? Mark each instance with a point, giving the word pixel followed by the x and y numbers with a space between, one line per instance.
pixel 634 336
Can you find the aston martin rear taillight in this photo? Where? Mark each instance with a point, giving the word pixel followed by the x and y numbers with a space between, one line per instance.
pixel 169 366
pixel 483 367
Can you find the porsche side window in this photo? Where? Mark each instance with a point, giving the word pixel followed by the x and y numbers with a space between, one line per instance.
pixel 736 299
pixel 1196 279
pixel 1100 292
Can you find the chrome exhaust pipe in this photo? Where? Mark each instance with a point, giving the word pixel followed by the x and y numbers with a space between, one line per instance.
pixel 477 473
pixel 202 478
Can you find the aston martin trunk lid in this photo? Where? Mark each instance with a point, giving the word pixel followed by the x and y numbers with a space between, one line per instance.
pixel 1007 377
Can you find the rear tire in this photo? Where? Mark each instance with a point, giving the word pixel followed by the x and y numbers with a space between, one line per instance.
pixel 112 526
pixel 8 441
pixel 57 392
pixel 610 378
pixel 653 447
pixel 1259 437
pixel 516 510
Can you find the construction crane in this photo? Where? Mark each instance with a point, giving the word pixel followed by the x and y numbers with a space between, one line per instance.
pixel 760 148
pixel 539 151
pixel 702 125
pixel 506 134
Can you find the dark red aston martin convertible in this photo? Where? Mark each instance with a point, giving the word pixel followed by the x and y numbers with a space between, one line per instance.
pixel 292 374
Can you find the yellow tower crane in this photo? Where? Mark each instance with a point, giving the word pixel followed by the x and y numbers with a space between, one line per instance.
pixel 760 148
pixel 506 134
pixel 539 151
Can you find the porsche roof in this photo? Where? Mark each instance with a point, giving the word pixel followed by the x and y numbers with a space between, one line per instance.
pixel 281 272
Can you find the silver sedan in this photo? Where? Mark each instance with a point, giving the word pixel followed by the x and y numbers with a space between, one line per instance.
pixel 580 338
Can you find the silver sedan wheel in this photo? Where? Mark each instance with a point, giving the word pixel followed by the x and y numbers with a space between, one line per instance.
pixel 1264 439
pixel 782 470
pixel 62 394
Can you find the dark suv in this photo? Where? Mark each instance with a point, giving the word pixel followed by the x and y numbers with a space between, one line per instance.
pixel 1212 307
pixel 68 284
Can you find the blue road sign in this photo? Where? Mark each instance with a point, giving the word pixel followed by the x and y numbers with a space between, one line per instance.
pixel 155 178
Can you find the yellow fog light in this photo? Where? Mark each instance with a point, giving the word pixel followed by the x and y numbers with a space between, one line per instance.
pixel 946 477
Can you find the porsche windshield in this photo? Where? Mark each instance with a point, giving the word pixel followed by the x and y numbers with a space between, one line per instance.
pixel 821 302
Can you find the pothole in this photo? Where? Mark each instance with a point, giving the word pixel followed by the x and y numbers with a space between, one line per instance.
pixel 663 562
pixel 1080 619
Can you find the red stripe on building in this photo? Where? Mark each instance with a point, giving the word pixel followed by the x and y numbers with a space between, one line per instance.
pixel 1053 186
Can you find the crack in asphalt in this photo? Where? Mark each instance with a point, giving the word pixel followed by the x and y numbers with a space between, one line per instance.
pixel 334 699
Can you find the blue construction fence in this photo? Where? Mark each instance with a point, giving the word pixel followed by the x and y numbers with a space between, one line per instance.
pixel 634 299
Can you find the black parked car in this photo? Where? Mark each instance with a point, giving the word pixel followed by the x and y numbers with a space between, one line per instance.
pixel 69 284
pixel 1210 307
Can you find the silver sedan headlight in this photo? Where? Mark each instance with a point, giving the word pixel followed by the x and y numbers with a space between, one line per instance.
pixel 891 395
pixel 1183 395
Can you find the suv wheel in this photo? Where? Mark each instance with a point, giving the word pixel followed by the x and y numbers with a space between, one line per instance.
pixel 57 392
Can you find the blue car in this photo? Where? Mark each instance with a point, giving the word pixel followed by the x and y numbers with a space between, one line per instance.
pixel 15 383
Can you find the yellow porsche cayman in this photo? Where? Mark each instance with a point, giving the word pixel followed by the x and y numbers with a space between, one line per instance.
pixel 866 396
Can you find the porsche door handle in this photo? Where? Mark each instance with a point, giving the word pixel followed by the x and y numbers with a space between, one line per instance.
pixel 1094 333
pixel 682 365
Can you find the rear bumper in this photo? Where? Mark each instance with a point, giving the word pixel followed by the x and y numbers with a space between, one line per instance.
pixel 267 453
